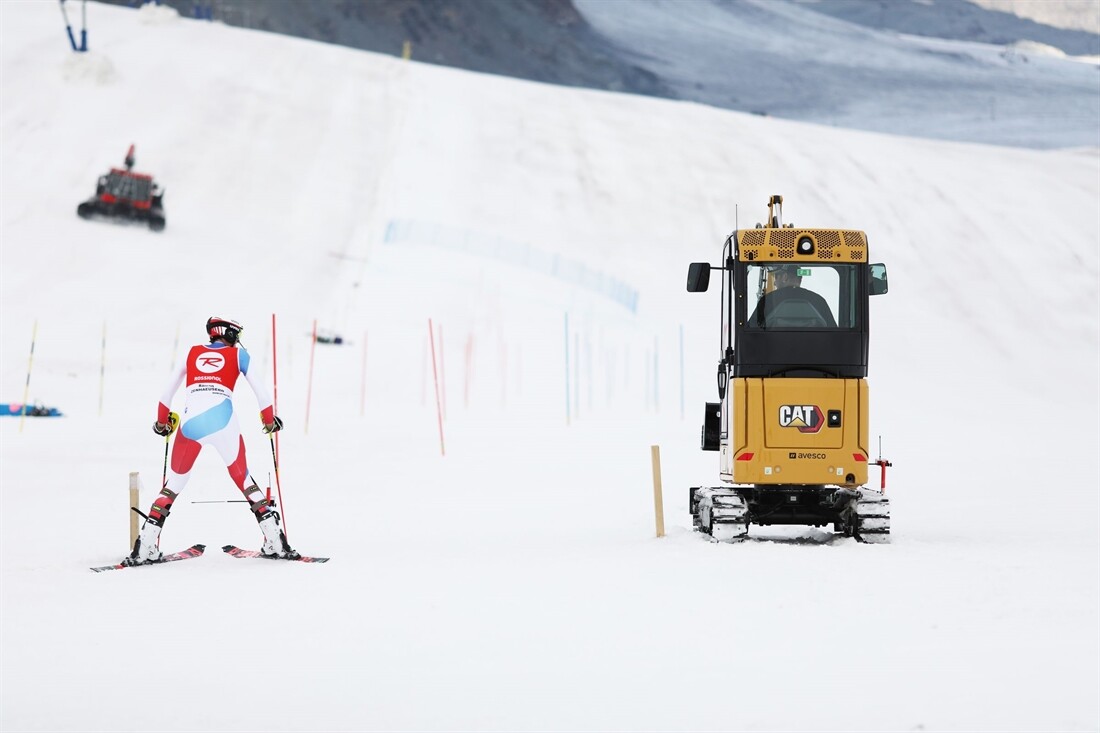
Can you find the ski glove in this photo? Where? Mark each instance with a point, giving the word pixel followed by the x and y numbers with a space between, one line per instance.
pixel 274 426
pixel 167 428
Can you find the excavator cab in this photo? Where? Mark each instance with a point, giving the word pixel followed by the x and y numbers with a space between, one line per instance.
pixel 791 422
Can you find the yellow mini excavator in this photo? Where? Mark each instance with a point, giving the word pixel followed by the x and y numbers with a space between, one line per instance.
pixel 790 426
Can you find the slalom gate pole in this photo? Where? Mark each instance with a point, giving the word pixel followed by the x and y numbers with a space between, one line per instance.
pixel 27 387
pixel 442 383
pixel 309 385
pixel 435 375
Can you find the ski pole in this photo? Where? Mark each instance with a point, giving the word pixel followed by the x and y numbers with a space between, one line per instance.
pixel 164 472
pixel 173 420
pixel 275 411
pixel 278 485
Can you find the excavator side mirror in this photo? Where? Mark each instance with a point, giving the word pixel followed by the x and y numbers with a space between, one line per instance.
pixel 698 277
pixel 879 284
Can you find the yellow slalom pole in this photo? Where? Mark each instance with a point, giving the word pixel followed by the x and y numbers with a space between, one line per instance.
pixel 27 388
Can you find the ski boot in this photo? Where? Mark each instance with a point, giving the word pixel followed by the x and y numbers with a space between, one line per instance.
pixel 145 546
pixel 275 544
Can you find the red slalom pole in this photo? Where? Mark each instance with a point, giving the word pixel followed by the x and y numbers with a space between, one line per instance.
pixel 435 376
pixel 309 386
pixel 442 383
pixel 275 439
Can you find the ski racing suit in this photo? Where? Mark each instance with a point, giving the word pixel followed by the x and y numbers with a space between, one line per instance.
pixel 210 373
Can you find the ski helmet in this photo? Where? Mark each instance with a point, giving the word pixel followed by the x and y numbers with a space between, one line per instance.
pixel 223 328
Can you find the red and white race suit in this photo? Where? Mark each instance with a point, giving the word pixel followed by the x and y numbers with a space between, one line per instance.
pixel 211 372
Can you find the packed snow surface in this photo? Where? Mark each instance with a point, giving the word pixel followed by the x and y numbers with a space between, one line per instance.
pixel 502 573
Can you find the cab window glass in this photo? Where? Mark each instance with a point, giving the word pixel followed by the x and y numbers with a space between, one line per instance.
pixel 801 296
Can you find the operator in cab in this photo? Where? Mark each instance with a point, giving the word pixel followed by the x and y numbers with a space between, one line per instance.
pixel 789 304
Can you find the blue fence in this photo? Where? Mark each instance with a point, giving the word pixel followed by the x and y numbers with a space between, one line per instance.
pixel 518 254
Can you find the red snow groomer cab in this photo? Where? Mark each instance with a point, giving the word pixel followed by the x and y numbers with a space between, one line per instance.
pixel 123 194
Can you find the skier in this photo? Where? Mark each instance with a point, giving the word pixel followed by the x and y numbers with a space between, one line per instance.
pixel 211 371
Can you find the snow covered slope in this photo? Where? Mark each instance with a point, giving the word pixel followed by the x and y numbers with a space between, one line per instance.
pixel 514 582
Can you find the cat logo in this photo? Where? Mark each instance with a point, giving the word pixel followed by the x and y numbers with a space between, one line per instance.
pixel 807 418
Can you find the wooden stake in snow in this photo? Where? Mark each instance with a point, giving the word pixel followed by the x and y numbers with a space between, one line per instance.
pixel 435 376
pixel 658 499
pixel 135 498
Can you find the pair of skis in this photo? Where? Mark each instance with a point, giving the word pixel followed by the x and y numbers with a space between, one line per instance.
pixel 197 550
